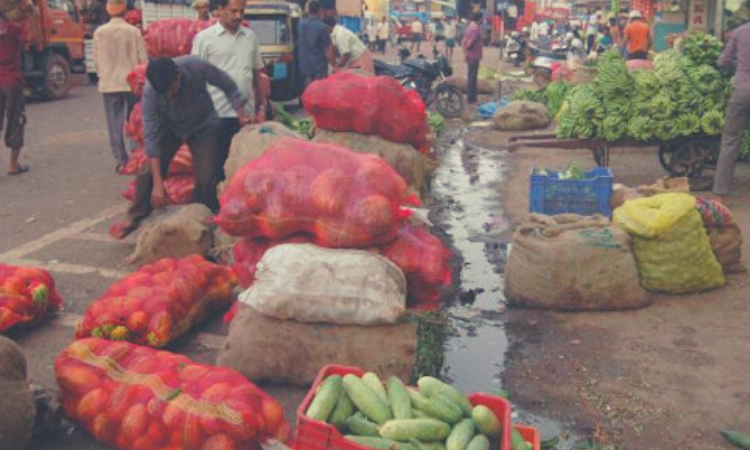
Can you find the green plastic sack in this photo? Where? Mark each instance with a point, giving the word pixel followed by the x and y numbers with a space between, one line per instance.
pixel 672 250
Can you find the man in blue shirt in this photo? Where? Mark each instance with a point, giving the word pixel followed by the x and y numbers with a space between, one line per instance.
pixel 177 109
pixel 314 41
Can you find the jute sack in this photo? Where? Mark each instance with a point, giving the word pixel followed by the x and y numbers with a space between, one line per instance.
pixel 522 115
pixel 265 349
pixel 176 232
pixel 572 263
pixel 250 143
pixel 307 283
pixel 17 411
pixel 726 243
pixel 414 167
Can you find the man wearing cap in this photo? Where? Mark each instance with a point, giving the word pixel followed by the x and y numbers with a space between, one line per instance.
pixel 178 109
pixel 118 49
pixel 637 36
pixel 234 49
pixel 202 8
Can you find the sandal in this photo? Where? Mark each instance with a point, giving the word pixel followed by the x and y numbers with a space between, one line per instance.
pixel 122 230
pixel 21 169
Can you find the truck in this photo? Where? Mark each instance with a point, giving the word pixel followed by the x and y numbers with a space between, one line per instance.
pixel 53 48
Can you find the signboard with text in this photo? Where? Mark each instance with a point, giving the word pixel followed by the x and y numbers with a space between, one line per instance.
pixel 698 16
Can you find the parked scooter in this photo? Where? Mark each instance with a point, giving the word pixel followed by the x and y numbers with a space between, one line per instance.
pixel 541 67
pixel 422 75
pixel 515 49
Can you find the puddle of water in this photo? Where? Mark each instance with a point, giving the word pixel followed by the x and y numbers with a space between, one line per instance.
pixel 463 184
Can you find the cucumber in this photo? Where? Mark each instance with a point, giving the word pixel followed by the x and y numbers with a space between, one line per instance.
pixel 326 398
pixel 439 407
pixel 517 442
pixel 736 439
pixel 479 442
pixel 420 429
pixel 418 414
pixel 360 426
pixel 399 399
pixel 379 443
pixel 343 409
pixel 432 387
pixel 435 445
pixel 366 400
pixel 461 435
pixel 486 421
pixel 373 382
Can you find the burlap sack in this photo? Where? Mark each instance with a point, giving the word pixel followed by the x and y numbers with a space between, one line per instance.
pixel 726 243
pixel 176 232
pixel 414 167
pixel 250 143
pixel 486 87
pixel 622 193
pixel 265 349
pixel 572 263
pixel 522 115
pixel 308 283
pixel 17 412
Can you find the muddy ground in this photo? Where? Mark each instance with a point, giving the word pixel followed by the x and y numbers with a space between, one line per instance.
pixel 668 376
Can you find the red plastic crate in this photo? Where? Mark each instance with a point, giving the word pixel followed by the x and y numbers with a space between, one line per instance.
pixel 532 435
pixel 317 435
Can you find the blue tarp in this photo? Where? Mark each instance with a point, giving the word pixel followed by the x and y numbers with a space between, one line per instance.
pixel 488 110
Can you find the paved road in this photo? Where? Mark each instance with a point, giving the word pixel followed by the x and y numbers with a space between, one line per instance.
pixel 57 216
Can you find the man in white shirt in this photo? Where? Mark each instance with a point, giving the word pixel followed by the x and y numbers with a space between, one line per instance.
pixel 592 29
pixel 534 31
pixel 348 50
pixel 417 34
pixel 234 49
pixel 118 49
pixel 382 31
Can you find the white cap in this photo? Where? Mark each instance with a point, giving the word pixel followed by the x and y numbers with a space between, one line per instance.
pixel 635 15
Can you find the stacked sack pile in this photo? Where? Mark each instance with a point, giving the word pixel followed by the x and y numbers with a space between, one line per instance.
pixel 165 38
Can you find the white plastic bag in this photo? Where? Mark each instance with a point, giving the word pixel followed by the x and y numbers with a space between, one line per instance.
pixel 307 283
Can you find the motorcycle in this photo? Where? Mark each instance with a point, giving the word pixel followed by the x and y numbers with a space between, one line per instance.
pixel 421 75
pixel 541 66
pixel 515 49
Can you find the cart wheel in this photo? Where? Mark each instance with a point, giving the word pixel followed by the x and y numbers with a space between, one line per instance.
pixel 690 158
pixel 665 155
pixel 601 156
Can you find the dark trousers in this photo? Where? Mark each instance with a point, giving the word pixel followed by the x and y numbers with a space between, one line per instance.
pixel 203 146
pixel 638 55
pixel 471 82
pixel 117 107
pixel 227 129
pixel 381 45
pixel 590 42
pixel 738 117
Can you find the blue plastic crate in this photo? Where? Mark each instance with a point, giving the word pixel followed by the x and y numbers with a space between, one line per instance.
pixel 550 195
pixel 354 24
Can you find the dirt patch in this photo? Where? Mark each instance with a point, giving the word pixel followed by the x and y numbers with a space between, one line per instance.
pixel 665 377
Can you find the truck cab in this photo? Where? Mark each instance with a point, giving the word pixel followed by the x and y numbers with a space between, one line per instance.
pixel 275 25
pixel 53 47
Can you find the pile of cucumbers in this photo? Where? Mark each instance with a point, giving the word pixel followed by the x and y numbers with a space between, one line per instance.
pixel 437 416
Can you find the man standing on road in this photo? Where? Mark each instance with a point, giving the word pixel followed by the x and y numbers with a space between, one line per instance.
pixel 118 49
pixel 592 28
pixel 450 37
pixel 177 109
pixel 234 49
pixel 472 47
pixel 417 34
pixel 382 31
pixel 637 36
pixel 12 103
pixel 314 42
pixel 738 109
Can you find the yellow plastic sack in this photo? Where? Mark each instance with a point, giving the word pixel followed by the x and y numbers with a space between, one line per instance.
pixel 671 247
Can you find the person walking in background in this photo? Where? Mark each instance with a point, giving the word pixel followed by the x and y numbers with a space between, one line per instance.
pixel 202 8
pixel 118 49
pixel 235 50
pixel 738 110
pixel 382 31
pixel 348 51
pixel 534 31
pixel 472 46
pixel 417 34
pixel 592 28
pixel 637 36
pixel 12 103
pixel 614 31
pixel 177 109
pixel 314 41
pixel 372 36
pixel 439 31
pixel 450 37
